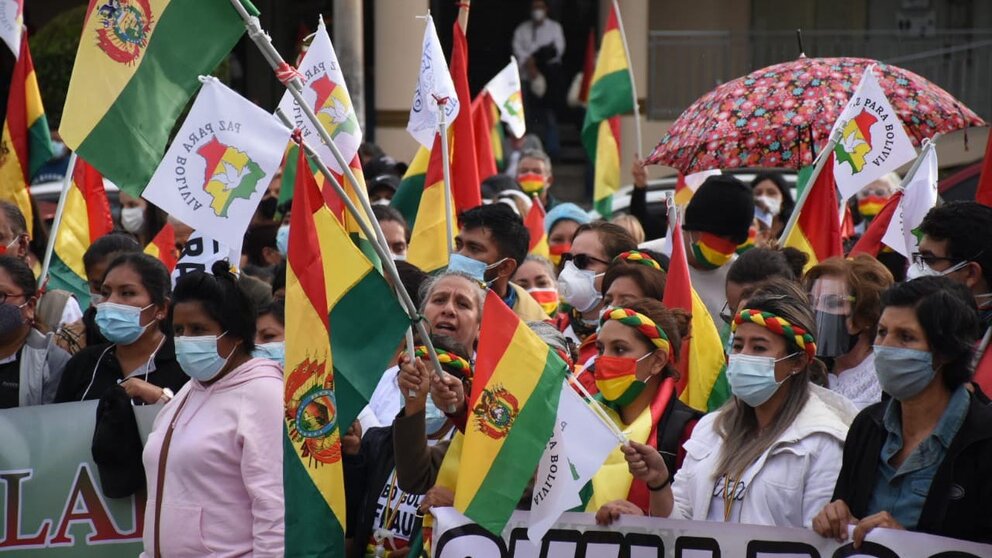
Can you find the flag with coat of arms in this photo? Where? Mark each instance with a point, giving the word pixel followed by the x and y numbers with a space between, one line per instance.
pixel 873 140
pixel 324 89
pixel 220 163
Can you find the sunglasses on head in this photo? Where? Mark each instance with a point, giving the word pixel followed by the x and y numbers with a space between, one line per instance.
pixel 581 261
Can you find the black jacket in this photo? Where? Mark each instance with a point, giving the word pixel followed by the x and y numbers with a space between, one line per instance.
pixel 365 478
pixel 958 502
pixel 104 370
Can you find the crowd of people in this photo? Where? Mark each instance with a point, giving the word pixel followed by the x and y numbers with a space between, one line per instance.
pixel 851 394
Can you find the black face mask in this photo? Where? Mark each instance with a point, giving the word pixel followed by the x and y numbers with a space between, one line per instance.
pixel 267 207
pixel 833 339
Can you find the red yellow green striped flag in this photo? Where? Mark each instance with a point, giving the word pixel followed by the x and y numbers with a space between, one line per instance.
pixel 26 142
pixel 817 231
pixel 702 383
pixel 482 126
pixel 407 197
pixel 136 68
pixel 85 218
pixel 534 221
pixel 513 406
pixel 163 247
pixel 429 239
pixel 340 314
pixel 610 95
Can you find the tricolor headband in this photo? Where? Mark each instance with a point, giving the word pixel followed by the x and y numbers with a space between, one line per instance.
pixel 641 323
pixel 637 257
pixel 448 360
pixel 779 326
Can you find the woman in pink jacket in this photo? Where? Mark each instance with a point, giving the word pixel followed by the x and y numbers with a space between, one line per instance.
pixel 214 458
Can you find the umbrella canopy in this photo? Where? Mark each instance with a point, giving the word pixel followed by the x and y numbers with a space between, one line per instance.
pixel 773 117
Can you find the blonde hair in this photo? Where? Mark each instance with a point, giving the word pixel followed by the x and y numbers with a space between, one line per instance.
pixel 632 225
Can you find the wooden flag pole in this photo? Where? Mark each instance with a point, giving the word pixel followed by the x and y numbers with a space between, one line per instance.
pixel 442 123
pixel 821 160
pixel 290 78
pixel 59 210
pixel 633 84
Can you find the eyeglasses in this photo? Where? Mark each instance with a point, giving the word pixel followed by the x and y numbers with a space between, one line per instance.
pixel 832 302
pixel 582 261
pixel 725 313
pixel 929 259
pixel 4 296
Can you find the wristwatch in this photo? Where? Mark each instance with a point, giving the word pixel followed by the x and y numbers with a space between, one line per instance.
pixel 167 395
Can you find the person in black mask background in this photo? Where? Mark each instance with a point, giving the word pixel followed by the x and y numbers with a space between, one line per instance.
pixel 847 298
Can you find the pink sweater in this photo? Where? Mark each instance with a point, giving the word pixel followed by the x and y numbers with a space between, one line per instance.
pixel 223 479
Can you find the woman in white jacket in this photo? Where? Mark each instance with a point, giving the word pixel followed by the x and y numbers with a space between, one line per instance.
pixel 770 455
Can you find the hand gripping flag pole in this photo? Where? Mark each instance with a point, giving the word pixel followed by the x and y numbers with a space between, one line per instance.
pixel 821 159
pixel 290 78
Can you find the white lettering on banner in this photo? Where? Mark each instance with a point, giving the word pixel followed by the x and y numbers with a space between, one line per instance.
pixel 577 535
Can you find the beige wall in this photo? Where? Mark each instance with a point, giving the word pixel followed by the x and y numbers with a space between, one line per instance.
pixel 720 15
pixel 396 70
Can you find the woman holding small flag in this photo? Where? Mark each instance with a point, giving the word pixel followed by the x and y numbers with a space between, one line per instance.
pixel 770 455
pixel 635 373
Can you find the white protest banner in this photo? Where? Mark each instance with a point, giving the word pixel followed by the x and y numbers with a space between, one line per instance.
pixel 505 91
pixel 324 89
pixel 918 197
pixel 580 444
pixel 51 503
pixel 11 24
pixel 201 252
pixel 873 142
pixel 577 535
pixel 434 81
pixel 220 163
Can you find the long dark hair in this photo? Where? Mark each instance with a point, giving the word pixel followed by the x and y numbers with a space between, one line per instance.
pixel 222 299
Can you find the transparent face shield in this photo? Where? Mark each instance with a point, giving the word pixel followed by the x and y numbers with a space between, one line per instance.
pixel 832 304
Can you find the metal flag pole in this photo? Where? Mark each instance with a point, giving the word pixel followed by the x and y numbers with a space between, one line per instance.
pixel 442 122
pixel 633 84
pixel 59 210
pixel 387 262
pixel 821 160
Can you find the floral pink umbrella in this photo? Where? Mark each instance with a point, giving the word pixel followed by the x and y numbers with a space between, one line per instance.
pixel 774 116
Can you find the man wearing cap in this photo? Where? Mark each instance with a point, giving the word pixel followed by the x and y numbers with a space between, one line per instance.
pixel 716 221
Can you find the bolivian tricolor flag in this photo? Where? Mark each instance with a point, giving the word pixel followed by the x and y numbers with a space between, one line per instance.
pixel 163 247
pixel 513 406
pixel 135 70
pixel 85 218
pixel 610 95
pixel 482 126
pixel 817 230
pixel 340 314
pixel 534 221
pixel 26 143
pixel 407 197
pixel 429 239
pixel 702 383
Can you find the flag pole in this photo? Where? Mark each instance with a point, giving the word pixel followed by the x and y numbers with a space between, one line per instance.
pixel 387 262
pixel 633 85
pixel 290 78
pixel 442 121
pixel 821 160
pixel 59 210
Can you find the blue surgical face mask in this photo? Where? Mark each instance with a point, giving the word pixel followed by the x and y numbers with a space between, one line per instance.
pixel 282 239
pixel 120 323
pixel 752 378
pixel 198 356
pixel 436 419
pixel 275 351
pixel 903 373
pixel 470 266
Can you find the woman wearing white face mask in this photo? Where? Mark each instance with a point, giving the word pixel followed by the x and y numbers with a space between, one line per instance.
pixel 139 218
pixel 140 355
pixel 773 204
pixel 771 454
pixel 214 458
pixel 921 460
pixel 387 516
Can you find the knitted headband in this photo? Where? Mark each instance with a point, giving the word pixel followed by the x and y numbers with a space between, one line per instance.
pixel 779 326
pixel 634 256
pixel 641 323
pixel 448 360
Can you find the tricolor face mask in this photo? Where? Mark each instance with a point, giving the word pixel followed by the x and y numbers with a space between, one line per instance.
pixel 870 206
pixel 547 298
pixel 616 378
pixel 712 251
pixel 532 183
pixel 556 251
